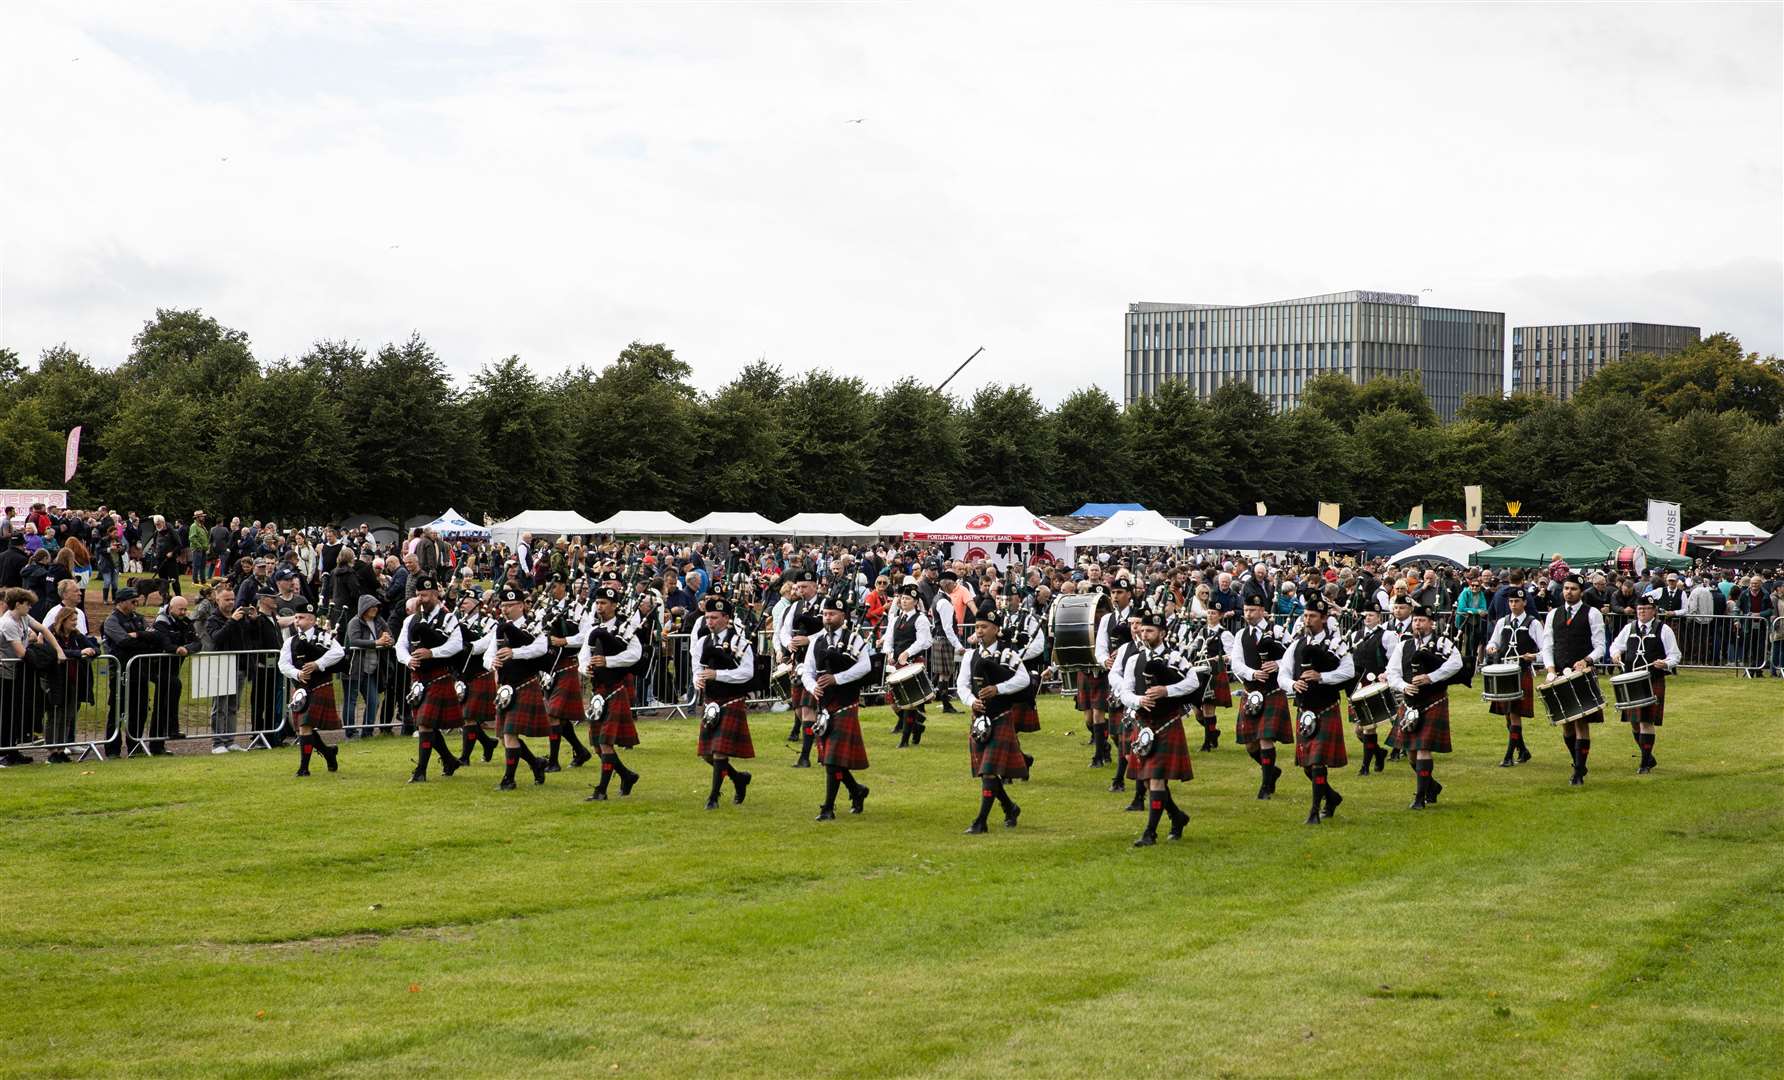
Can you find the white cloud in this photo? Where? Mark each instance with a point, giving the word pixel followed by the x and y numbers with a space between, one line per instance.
pixel 559 180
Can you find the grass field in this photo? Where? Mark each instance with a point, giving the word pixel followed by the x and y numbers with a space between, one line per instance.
pixel 211 917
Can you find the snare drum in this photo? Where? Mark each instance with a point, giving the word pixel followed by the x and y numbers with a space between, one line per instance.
pixel 910 686
pixel 1502 682
pixel 780 682
pixel 1071 626
pixel 1374 704
pixel 1634 689
pixel 1573 696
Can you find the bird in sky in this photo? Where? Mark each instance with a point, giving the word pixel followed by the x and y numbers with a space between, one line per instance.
pixel 862 120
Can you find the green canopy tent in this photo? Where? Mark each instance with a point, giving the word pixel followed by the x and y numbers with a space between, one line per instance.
pixel 1580 543
pixel 1657 555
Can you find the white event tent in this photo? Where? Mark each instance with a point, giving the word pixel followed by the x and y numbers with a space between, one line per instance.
pixel 987 529
pixel 1729 533
pixel 646 523
pixel 736 523
pixel 541 523
pixel 1448 547
pixel 898 524
pixel 1131 528
pixel 839 526
pixel 452 525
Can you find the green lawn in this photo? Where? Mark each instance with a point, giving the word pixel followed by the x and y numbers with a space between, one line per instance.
pixel 210 917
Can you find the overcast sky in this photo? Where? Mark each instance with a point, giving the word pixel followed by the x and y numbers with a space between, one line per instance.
pixel 556 181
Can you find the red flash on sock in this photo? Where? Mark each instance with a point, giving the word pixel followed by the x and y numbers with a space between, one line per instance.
pixel 606 766
pixel 986 793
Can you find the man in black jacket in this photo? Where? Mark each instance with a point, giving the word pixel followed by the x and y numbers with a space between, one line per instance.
pixel 175 635
pixel 226 631
pixel 12 563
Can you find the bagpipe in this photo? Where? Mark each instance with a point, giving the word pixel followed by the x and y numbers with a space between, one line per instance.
pixel 1271 648
pixel 1425 660
pixel 1166 667
pixel 1316 659
pixel 991 667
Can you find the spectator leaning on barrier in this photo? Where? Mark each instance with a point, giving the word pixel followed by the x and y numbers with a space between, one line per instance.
pixel 226 630
pixel 25 648
pixel 367 633
pixel 70 682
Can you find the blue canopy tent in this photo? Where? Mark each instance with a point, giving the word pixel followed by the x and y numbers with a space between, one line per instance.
pixel 1104 510
pixel 1378 539
pixel 1276 532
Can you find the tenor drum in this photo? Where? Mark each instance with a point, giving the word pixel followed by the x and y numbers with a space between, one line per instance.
pixel 1632 560
pixel 1572 696
pixel 910 686
pixel 780 681
pixel 1071 626
pixel 1634 689
pixel 1374 704
pixel 1502 682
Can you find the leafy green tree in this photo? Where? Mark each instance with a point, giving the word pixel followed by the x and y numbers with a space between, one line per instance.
pixel 1334 398
pixel 1713 375
pixel 826 431
pixel 1247 451
pixel 634 429
pixel 1092 454
pixel 405 434
pixel 522 424
pixel 1171 434
pixel 1614 469
pixel 743 459
pixel 1396 454
pixel 1316 464
pixel 1501 411
pixel 1755 477
pixel 151 463
pixel 280 449
pixel 916 452
pixel 30 449
pixel 1401 392
pixel 1697 450
pixel 1007 449
pixel 190 352
pixel 1462 455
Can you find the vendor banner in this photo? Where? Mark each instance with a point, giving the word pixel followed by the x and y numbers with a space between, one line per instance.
pixel 1664 525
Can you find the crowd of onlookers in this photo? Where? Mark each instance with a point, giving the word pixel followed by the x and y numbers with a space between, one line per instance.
pixel 248 580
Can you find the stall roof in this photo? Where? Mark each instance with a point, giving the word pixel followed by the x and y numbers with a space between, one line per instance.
pixel 1378 538
pixel 1131 528
pixel 1274 532
pixel 993 524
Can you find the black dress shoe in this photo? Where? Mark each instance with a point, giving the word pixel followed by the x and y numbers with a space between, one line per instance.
pixel 1178 821
pixel 505 785
pixel 1010 818
pixel 825 813
pixel 1508 762
pixel 743 785
pixel 1523 755
pixel 1263 790
pixel 417 777
pixel 539 773
pixel 489 752
pixel 712 804
pixel 1436 790
pixel 1117 785
pixel 976 828
pixel 304 771
pixel 596 795
pixel 1332 801
pixel 1146 840
pixel 333 758
pixel 1137 804
pixel 1364 771
pixel 581 759
pixel 552 766
pixel 802 763
pixel 448 765
pixel 1418 803
pixel 1313 817
pixel 1576 780
pixel 858 800
pixel 630 781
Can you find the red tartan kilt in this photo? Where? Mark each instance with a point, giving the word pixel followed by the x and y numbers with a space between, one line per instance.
pixel 731 737
pixel 1524 706
pixel 1093 691
pixel 1169 759
pixel 1223 692
pixel 1649 714
pixel 564 703
pixel 1025 716
pixel 841 747
pixel 1327 746
pixel 439 708
pixel 616 727
pixel 527 716
pixel 480 700
pixel 800 698
pixel 1002 755
pixel 1274 723
pixel 1433 732
pixel 321 712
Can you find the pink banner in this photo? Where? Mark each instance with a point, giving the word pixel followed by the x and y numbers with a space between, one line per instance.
pixel 73 460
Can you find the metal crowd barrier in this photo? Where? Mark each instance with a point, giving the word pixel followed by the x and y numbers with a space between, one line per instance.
pixel 225 697
pixel 64 709
pixel 376 686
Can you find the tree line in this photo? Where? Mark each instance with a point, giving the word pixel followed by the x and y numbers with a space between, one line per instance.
pixel 192 419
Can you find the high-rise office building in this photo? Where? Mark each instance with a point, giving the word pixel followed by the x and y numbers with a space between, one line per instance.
pixel 1557 359
pixel 1276 347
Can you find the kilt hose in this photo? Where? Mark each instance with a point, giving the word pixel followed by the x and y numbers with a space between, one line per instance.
pixel 480 700
pixel 1524 706
pixel 321 713
pixel 1025 716
pixel 526 715
pixel 1325 746
pixel 564 703
pixel 1433 731
pixel 730 736
pixel 1169 759
pixel 1649 714
pixel 1273 723
pixel 1001 755
pixel 841 746
pixel 615 728
pixel 439 708
pixel 1093 691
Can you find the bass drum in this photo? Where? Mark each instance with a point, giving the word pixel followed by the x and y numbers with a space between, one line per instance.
pixel 1071 626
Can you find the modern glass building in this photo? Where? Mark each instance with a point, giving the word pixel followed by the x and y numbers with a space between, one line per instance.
pixel 1278 346
pixel 1557 359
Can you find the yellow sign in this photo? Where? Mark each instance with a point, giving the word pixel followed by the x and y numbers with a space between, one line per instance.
pixel 1512 508
pixel 1261 512
pixel 1328 514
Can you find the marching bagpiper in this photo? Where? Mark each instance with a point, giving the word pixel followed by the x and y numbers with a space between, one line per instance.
pixel 989 680
pixel 1095 697
pixel 1516 636
pixel 835 664
pixel 1255 657
pixel 907 641
pixel 1314 669
pixel 792 640
pixel 1375 641
pixel 1208 641
pixel 1571 639
pixel 479 705
pixel 561 620
pixel 726 665
pixel 426 646
pixel 1154 688
pixel 1419 670
pixel 306 659
pixel 609 652
pixel 1028 637
pixel 1400 626
pixel 516 654
pixel 1122 726
pixel 1647 642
